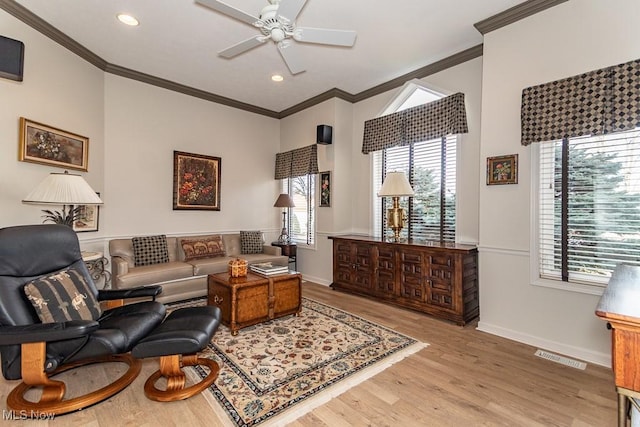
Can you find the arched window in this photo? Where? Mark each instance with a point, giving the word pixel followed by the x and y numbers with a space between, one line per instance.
pixel 430 167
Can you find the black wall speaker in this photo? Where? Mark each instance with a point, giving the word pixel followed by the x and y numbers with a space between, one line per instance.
pixel 11 58
pixel 324 134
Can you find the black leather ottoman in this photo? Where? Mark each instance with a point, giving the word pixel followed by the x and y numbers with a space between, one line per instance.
pixel 176 341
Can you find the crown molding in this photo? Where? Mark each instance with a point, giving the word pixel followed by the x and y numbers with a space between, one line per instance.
pixel 53 33
pixel 443 64
pixel 187 90
pixel 514 14
pixel 507 17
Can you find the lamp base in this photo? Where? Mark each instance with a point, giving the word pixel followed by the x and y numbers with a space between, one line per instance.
pixel 284 237
pixel 396 218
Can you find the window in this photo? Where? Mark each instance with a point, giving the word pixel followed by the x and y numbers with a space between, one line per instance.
pixel 302 217
pixel 430 167
pixel 588 207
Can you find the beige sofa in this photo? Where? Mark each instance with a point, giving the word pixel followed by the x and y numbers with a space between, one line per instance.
pixel 180 279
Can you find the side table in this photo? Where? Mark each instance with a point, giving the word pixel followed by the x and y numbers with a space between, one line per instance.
pixel 96 263
pixel 288 249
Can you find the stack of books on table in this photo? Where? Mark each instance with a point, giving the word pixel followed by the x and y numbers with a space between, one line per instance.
pixel 268 269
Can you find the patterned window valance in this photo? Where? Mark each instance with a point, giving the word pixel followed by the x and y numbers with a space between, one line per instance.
pixel 437 119
pixel 298 162
pixel 597 102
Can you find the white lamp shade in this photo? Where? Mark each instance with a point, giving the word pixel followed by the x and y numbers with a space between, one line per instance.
pixel 63 189
pixel 395 184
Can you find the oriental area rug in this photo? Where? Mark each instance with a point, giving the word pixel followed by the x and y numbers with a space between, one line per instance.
pixel 275 372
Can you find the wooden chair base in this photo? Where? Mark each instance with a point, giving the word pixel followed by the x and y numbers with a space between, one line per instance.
pixel 51 401
pixel 171 370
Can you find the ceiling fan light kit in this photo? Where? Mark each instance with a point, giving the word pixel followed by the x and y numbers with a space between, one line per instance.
pixel 277 22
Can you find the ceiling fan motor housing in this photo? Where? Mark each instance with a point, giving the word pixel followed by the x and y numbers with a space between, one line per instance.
pixel 273 27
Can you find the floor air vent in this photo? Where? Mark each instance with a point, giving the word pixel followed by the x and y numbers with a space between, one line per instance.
pixel 561 359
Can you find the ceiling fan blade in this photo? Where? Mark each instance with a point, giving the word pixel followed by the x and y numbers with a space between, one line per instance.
pixel 242 47
pixel 221 7
pixel 291 57
pixel 325 36
pixel 290 9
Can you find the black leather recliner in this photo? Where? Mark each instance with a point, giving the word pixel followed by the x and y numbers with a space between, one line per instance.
pixel 34 351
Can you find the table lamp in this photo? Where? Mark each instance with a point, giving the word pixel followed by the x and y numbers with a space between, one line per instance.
pixel 396 185
pixel 63 189
pixel 284 201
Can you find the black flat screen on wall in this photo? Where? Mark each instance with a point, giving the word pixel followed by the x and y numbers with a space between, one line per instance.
pixel 11 58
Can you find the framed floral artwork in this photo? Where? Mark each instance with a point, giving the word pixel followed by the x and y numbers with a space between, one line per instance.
pixel 196 182
pixel 47 145
pixel 325 189
pixel 502 170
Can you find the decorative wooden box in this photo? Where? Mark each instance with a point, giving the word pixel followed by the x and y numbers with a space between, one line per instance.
pixel 238 267
pixel 246 301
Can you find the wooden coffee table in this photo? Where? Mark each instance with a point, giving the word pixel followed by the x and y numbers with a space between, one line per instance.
pixel 246 301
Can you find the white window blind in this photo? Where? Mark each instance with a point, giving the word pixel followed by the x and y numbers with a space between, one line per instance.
pixel 589 206
pixel 301 218
pixel 430 167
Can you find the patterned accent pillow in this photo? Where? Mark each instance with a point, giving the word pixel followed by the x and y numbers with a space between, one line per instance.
pixel 63 296
pixel 206 247
pixel 251 242
pixel 150 250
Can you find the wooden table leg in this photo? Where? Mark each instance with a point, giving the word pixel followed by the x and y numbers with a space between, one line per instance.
pixel 622 410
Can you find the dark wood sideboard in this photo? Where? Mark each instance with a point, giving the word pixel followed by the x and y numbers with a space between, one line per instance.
pixel 440 279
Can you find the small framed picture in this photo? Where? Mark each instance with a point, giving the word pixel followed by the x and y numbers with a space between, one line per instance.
pixel 87 218
pixel 325 189
pixel 50 146
pixel 502 170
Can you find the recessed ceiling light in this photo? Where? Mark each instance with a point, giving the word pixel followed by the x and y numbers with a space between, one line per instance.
pixel 128 19
pixel 277 78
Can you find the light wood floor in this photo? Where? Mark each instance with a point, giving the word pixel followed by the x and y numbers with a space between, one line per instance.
pixel 464 378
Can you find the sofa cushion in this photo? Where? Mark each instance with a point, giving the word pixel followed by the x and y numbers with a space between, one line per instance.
pixel 210 265
pixel 148 250
pixel 207 247
pixel 154 274
pixel 250 242
pixel 62 297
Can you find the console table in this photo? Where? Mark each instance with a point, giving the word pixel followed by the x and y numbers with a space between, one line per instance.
pixel 620 308
pixel 437 278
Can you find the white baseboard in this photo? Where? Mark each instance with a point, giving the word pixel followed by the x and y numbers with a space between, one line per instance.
pixel 603 359
pixel 316 280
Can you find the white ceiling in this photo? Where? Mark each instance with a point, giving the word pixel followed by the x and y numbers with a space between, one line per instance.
pixel 178 40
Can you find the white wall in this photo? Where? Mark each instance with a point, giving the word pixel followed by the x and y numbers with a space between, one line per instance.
pixel 351 170
pixel 566 40
pixel 60 90
pixel 144 124
pixel 466 78
pixel 299 130
pixel 133 129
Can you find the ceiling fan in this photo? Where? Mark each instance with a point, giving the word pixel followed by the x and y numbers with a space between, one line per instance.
pixel 277 22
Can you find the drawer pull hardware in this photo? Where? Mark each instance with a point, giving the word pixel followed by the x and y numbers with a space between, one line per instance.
pixel 217 299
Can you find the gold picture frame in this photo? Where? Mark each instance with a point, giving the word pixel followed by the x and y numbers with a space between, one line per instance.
pixel 47 145
pixel 502 170
pixel 196 182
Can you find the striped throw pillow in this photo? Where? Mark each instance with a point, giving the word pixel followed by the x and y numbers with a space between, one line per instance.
pixel 63 296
